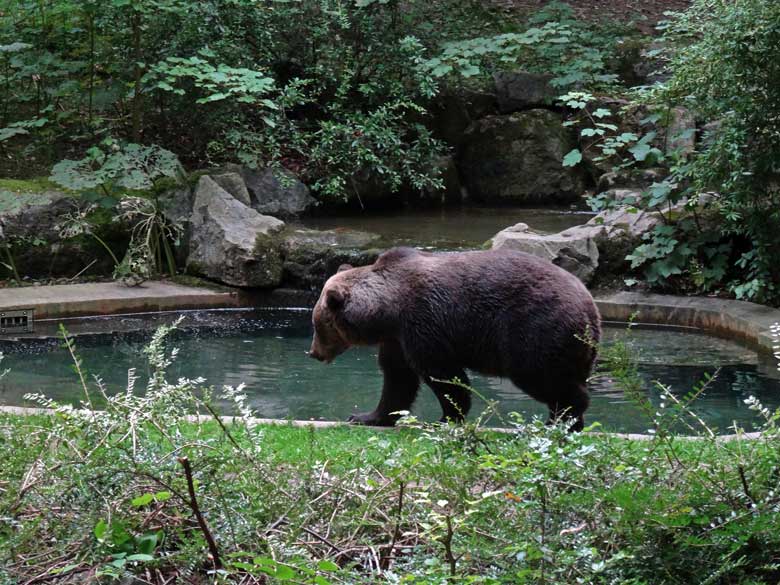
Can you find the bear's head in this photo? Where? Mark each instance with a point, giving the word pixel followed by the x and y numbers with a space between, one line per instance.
pixel 361 306
pixel 330 338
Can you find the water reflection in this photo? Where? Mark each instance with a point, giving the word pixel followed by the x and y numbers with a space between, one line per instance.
pixel 453 227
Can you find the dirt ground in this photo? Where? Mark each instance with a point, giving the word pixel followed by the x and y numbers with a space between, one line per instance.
pixel 645 13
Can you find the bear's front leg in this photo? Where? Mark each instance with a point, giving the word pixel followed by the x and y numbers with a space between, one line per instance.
pixel 399 388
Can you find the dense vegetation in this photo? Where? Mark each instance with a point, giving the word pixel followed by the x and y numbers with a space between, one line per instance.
pixel 140 489
pixel 325 87
pixel 724 66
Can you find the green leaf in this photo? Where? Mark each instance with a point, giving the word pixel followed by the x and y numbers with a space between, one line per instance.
pixel 602 113
pixel 328 566
pixel 163 496
pixel 573 158
pixel 10 132
pixel 284 573
pixel 142 500
pixel 640 151
pixel 65 569
pixel 140 557
pixel 100 529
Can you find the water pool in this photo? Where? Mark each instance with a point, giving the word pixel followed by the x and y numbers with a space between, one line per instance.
pixel 266 349
pixel 452 228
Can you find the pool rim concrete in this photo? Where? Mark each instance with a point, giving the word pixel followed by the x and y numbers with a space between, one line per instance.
pixel 739 320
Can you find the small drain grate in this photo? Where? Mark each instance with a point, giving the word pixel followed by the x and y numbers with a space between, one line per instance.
pixel 20 321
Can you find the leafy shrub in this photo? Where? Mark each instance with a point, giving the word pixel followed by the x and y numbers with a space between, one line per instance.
pixel 123 180
pixel 724 67
pixel 263 85
pixel 576 53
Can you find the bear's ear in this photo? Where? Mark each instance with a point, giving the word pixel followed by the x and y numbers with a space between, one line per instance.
pixel 334 299
pixel 344 267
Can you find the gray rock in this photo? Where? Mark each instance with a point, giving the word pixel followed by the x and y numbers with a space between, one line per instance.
pixel 176 205
pixel 520 90
pixel 278 192
pixel 450 117
pixel 518 159
pixel 36 215
pixel 616 232
pixel 452 191
pixel 232 243
pixel 312 256
pixel 599 246
pixel 234 184
pixel 575 252
pixel 32 225
pixel 681 132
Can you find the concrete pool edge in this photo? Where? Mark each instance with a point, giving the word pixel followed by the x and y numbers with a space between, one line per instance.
pixel 739 320
pixel 325 424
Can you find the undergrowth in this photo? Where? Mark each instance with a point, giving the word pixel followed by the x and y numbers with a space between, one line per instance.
pixel 145 492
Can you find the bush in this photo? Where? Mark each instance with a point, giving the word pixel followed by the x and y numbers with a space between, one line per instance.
pixel 327 88
pixel 724 66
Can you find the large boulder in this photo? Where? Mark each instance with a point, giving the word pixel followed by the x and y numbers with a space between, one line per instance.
pixel 312 256
pixel 594 249
pixel 616 232
pixel 520 90
pixel 574 252
pixel 234 184
pixel 36 226
pixel 233 243
pixel 518 159
pixel 278 192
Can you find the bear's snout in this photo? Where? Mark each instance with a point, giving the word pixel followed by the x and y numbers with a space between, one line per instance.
pixel 316 353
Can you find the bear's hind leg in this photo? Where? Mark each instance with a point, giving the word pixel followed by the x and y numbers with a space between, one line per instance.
pixel 455 400
pixel 399 388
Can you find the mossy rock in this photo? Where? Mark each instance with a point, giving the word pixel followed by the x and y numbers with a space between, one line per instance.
pixel 517 158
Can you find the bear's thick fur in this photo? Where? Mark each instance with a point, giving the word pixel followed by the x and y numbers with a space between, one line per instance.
pixel 435 315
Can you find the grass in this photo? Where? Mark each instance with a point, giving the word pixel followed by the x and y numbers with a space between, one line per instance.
pixel 423 505
pixel 35 185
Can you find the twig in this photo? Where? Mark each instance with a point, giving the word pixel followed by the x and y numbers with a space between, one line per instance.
pixel 397 531
pixel 193 503
pixel 447 542
pixel 83 270
pixel 745 487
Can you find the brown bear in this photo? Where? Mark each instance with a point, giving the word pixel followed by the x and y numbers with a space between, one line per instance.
pixel 435 315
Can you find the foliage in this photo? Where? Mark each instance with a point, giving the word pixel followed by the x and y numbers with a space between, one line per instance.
pixel 144 487
pixel 600 131
pixel 724 67
pixel 574 52
pixel 222 81
pixel 105 179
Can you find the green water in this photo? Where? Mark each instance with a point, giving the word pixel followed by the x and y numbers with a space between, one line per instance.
pixel 453 227
pixel 266 349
